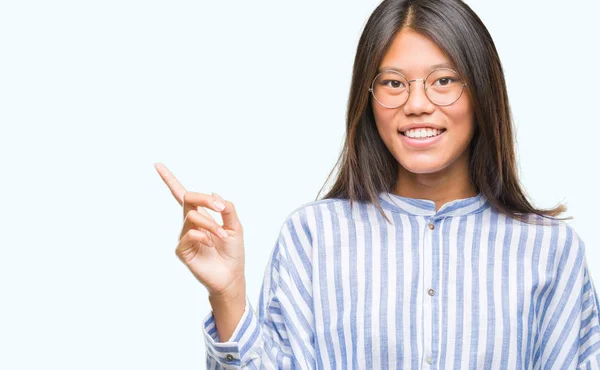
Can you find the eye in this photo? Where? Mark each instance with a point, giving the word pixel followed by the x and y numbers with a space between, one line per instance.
pixel 394 83
pixel 445 81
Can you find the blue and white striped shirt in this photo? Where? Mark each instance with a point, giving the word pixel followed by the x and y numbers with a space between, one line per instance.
pixel 465 287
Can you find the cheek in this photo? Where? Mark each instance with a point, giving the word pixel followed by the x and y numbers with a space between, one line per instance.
pixel 385 120
pixel 382 123
pixel 461 120
pixel 383 117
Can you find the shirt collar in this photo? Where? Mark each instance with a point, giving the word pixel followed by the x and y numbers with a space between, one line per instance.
pixel 426 207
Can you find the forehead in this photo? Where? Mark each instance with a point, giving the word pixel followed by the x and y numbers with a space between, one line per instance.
pixel 413 53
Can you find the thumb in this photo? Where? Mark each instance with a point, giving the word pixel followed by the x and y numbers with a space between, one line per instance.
pixel 229 215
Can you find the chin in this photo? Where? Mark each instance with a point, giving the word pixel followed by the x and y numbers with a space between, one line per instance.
pixel 423 167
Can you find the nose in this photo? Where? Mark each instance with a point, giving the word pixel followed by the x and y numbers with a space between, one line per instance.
pixel 418 102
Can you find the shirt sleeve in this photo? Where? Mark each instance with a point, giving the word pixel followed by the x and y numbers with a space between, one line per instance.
pixel 571 323
pixel 589 340
pixel 280 334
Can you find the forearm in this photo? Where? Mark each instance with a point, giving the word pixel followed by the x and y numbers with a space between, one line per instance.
pixel 228 310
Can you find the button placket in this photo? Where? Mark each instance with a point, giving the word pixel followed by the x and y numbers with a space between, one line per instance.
pixel 428 289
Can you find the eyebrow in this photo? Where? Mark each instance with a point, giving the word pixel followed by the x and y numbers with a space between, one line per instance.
pixel 431 68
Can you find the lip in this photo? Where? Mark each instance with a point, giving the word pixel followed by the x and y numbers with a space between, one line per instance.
pixel 421 143
pixel 421 125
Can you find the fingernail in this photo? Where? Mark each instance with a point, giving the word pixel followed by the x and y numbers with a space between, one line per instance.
pixel 220 206
pixel 222 232
pixel 218 196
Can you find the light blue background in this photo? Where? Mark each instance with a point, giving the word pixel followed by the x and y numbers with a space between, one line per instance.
pixel 92 93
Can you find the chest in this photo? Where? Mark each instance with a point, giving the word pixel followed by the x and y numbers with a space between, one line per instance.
pixel 450 295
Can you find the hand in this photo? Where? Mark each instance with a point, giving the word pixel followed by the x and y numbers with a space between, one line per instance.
pixel 217 262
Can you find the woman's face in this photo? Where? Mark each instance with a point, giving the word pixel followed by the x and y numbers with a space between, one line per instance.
pixel 415 54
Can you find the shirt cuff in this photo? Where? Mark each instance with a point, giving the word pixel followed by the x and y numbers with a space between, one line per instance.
pixel 242 345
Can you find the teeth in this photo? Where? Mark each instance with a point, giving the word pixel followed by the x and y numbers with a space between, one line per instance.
pixel 422 132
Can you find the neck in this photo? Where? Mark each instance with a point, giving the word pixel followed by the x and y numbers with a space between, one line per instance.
pixel 451 183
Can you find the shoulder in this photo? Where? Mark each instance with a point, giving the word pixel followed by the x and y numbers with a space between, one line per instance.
pixel 313 217
pixel 299 231
pixel 557 236
pixel 318 209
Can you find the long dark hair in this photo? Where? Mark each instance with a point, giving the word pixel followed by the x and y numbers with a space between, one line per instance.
pixel 366 166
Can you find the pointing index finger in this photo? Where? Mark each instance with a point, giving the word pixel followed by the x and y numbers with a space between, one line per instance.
pixel 175 186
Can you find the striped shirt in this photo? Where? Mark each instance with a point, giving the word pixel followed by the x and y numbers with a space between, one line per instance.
pixel 464 287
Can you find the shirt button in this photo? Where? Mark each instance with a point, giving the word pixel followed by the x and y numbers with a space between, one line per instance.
pixel 431 292
pixel 431 226
pixel 229 357
pixel 429 360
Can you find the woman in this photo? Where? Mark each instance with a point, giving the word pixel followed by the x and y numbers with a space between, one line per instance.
pixel 426 251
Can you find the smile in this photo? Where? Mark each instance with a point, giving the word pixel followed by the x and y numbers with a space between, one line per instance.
pixel 422 133
pixel 422 138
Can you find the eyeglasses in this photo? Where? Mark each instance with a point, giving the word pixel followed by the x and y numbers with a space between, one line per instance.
pixel 443 86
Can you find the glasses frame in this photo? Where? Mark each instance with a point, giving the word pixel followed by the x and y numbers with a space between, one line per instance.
pixel 371 90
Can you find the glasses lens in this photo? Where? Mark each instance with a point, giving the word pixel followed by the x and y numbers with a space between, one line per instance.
pixel 390 89
pixel 444 86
